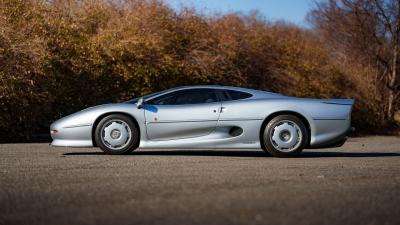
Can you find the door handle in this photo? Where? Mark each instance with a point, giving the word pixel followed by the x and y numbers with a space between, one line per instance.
pixel 223 109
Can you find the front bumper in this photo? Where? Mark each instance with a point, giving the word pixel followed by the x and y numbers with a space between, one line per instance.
pixel 67 135
pixel 71 143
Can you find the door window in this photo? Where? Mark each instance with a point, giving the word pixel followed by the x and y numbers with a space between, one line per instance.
pixel 183 97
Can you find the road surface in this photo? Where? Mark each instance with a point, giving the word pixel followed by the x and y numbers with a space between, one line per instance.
pixel 358 183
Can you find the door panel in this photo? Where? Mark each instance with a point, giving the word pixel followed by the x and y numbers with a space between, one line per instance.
pixel 168 122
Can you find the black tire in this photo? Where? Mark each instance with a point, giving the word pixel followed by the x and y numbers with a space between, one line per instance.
pixel 128 146
pixel 272 147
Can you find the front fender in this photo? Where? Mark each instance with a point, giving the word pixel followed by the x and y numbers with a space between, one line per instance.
pixel 76 129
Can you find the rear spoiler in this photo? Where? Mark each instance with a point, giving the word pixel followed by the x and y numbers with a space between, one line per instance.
pixel 340 101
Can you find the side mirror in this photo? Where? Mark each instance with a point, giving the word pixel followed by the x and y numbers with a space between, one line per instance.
pixel 139 103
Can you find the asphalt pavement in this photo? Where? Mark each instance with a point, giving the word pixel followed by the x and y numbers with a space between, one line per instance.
pixel 358 183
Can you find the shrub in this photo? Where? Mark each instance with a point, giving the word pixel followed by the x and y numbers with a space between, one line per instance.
pixel 57 57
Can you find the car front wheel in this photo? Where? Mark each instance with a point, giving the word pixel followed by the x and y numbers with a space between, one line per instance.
pixel 117 134
pixel 285 136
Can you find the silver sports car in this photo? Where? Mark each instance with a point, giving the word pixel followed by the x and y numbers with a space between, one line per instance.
pixel 209 117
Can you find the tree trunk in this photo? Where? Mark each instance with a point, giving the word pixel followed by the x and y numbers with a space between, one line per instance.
pixel 390 112
pixel 393 77
pixel 392 83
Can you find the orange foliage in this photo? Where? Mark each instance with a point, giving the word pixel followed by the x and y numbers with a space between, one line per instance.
pixel 57 57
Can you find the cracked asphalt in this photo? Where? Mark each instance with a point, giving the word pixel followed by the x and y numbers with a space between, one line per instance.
pixel 358 183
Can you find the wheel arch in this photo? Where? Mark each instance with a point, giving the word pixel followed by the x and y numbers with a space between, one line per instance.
pixel 285 112
pixel 99 118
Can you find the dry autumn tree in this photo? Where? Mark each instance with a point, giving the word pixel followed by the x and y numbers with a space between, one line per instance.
pixel 58 57
pixel 368 30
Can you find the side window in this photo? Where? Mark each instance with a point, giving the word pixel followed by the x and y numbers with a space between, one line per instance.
pixel 167 99
pixel 193 96
pixel 196 96
pixel 236 95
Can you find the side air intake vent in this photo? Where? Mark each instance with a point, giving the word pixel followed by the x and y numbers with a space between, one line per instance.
pixel 235 131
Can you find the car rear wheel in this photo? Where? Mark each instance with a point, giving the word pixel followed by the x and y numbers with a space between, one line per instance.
pixel 117 134
pixel 285 136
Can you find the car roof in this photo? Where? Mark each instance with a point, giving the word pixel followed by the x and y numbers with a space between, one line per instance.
pixel 255 93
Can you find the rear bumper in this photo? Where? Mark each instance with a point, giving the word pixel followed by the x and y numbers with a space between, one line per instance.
pixel 336 142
